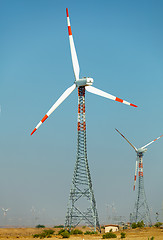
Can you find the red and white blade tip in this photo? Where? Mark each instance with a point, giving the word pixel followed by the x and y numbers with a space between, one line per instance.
pixel 123 101
pixel 67 12
pixel 33 131
pixel 43 120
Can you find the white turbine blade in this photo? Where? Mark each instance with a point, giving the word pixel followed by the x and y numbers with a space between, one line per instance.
pixel 136 167
pixel 107 95
pixel 152 142
pixel 56 104
pixel 73 51
pixel 126 140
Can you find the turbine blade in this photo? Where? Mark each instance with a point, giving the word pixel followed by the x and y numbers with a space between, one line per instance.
pixel 107 95
pixel 152 142
pixel 126 140
pixel 72 48
pixel 56 104
pixel 136 167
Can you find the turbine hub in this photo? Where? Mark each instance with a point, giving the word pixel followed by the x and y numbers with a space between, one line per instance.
pixel 86 81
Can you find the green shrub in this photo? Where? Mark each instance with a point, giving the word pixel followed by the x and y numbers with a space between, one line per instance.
pixel 140 224
pixel 61 231
pixel 65 234
pixel 123 235
pixel 36 235
pixel 76 231
pixel 59 226
pixel 152 238
pixel 158 224
pixel 48 231
pixel 90 233
pixel 45 234
pixel 109 235
pixel 134 225
pixel 40 226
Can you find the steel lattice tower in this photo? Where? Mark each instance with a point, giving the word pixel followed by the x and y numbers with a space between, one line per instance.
pixel 81 188
pixel 141 209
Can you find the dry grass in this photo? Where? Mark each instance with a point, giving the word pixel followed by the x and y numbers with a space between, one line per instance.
pixel 131 234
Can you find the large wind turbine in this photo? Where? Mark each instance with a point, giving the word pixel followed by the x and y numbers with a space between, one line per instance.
pixel 85 82
pixel 81 183
pixel 141 210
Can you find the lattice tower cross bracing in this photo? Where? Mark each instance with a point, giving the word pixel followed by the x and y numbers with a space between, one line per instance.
pixel 81 183
pixel 141 209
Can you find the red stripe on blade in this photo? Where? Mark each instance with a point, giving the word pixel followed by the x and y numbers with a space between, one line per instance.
pixel 44 118
pixel 134 188
pixel 118 100
pixel 133 105
pixel 33 131
pixel 69 30
pixel 67 12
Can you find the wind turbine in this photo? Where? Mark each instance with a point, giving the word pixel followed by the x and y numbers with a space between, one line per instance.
pixel 85 82
pixel 81 172
pixel 141 207
pixel 5 211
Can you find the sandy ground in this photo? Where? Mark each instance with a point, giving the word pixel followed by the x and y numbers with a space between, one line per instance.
pixel 131 234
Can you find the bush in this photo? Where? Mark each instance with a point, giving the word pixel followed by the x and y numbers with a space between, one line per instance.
pixel 61 231
pixel 140 224
pixel 109 235
pixel 48 231
pixel 40 226
pixel 90 233
pixel 36 235
pixel 45 234
pixel 123 235
pixel 158 224
pixel 59 226
pixel 134 225
pixel 76 231
pixel 65 234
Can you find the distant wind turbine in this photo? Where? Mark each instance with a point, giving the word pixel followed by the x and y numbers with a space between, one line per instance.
pixel 5 211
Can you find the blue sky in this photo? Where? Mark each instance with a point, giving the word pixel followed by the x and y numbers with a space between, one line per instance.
pixel 119 44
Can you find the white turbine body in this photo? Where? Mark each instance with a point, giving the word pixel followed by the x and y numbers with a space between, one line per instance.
pixel 5 211
pixel 85 81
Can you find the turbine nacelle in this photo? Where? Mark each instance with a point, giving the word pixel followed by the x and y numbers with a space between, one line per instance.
pixel 86 81
pixel 141 150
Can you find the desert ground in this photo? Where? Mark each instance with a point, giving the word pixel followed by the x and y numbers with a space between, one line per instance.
pixel 131 234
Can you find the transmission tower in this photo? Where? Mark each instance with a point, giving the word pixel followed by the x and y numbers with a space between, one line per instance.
pixel 81 188
pixel 141 210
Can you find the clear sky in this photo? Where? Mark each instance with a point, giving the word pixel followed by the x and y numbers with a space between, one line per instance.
pixel 120 45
